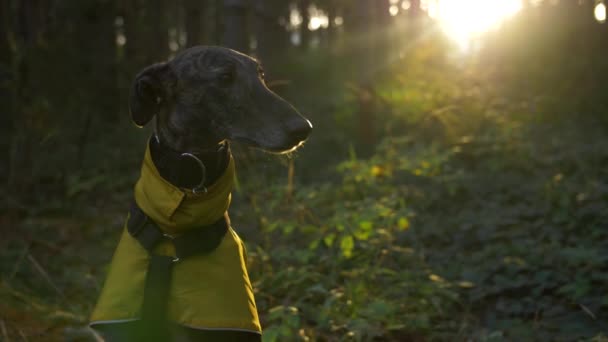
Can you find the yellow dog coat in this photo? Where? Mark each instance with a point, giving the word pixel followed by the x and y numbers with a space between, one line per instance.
pixel 210 291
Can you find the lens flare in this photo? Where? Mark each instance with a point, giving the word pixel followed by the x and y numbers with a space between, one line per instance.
pixel 466 19
pixel 600 12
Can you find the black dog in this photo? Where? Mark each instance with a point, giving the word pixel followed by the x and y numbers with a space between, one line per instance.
pixel 179 272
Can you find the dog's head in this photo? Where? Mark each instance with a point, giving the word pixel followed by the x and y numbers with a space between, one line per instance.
pixel 206 95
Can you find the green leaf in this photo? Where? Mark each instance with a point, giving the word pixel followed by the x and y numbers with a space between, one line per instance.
pixel 78 184
pixel 403 224
pixel 466 284
pixel 364 231
pixel 314 244
pixel 366 225
pixel 329 240
pixel 347 244
pixel 271 334
pixel 379 308
pixel 288 229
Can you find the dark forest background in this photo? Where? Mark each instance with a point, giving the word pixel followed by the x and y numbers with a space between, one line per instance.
pixel 444 195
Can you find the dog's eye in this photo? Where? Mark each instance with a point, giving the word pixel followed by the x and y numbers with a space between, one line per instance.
pixel 261 73
pixel 226 78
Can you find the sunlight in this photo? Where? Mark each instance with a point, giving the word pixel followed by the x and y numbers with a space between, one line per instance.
pixel 393 10
pixel 600 12
pixel 467 19
pixel 318 18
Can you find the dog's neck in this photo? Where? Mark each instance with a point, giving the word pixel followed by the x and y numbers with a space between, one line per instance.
pixel 190 171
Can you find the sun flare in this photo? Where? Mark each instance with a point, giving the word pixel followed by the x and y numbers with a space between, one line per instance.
pixel 600 12
pixel 467 19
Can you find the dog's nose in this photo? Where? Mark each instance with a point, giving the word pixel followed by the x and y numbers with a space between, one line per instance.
pixel 300 129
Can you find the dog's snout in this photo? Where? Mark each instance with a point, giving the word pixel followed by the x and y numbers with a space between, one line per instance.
pixel 300 129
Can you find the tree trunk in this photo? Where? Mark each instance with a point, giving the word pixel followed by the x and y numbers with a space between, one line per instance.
pixel 383 23
pixel 235 25
pixel 6 85
pixel 415 10
pixel 218 27
pixel 364 36
pixel 271 37
pixel 331 25
pixel 303 6
pixel 195 10
pixel 157 33
pixel 5 52
pixel 20 154
pixel 132 17
pixel 382 12
pixel 146 30
pixel 99 67
pixel 366 31
pixel 100 53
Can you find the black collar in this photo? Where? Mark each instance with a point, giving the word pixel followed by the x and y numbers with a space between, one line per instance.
pixel 190 171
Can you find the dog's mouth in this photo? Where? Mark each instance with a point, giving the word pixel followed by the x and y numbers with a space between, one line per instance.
pixel 286 138
pixel 278 149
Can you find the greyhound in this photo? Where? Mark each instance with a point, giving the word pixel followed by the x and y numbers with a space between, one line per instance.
pixel 201 100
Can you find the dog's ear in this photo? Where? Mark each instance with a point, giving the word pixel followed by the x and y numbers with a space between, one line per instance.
pixel 149 91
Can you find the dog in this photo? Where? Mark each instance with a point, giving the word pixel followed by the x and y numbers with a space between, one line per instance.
pixel 178 273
